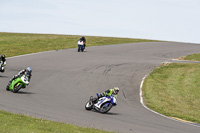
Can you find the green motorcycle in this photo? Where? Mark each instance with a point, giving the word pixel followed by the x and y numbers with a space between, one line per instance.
pixel 18 83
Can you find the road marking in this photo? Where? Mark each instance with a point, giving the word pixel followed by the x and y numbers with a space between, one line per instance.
pixel 30 54
pixel 185 61
pixel 182 120
pixel 171 118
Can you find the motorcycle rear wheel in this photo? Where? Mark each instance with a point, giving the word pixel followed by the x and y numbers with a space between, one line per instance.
pixel 89 105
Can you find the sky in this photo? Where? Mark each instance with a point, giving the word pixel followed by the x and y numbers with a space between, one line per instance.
pixel 168 20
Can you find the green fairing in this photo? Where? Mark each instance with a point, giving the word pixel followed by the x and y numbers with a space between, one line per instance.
pixel 14 82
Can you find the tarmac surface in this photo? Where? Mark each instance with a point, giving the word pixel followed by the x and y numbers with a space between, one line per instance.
pixel 63 80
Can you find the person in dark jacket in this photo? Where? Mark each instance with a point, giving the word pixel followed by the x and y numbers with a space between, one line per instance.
pixel 2 63
pixel 84 40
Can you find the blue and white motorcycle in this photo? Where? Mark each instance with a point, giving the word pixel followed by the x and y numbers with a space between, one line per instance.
pixel 81 46
pixel 102 105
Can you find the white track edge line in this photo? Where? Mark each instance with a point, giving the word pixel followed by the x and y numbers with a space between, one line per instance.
pixel 142 102
pixel 185 60
pixel 30 54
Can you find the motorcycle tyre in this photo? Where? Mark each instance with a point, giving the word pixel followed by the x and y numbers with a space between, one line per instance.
pixel 107 109
pixel 88 107
pixel 82 49
pixel 17 89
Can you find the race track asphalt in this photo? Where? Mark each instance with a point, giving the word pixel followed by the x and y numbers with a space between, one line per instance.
pixel 63 81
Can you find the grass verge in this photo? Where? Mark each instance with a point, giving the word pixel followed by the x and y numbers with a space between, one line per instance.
pixel 173 90
pixel 12 123
pixel 13 44
pixel 193 57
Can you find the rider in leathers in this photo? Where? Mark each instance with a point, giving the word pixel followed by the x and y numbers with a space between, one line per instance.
pixel 84 40
pixel 110 92
pixel 26 71
pixel 2 62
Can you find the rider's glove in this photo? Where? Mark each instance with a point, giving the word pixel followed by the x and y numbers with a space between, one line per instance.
pixel 105 94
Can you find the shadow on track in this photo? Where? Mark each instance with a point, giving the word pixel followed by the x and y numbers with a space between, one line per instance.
pixel 4 76
pixel 23 92
pixel 108 113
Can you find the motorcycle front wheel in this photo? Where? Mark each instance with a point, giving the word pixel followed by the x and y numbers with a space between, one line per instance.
pixel 82 49
pixel 104 108
pixel 17 88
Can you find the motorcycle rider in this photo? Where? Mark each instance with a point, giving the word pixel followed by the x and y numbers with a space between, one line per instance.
pixel 110 92
pixel 84 40
pixel 2 62
pixel 26 71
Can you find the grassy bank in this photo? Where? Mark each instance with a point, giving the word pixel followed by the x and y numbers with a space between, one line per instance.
pixel 173 90
pixel 12 123
pixel 194 57
pixel 12 44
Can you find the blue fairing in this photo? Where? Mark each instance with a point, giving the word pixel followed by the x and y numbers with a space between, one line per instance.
pixel 107 104
pixel 113 102
pixel 81 46
pixel 110 100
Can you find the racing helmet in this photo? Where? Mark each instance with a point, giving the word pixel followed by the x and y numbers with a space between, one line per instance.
pixel 116 90
pixel 83 38
pixel 29 69
pixel 3 57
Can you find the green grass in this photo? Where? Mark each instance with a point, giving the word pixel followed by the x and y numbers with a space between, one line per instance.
pixel 173 90
pixel 12 123
pixel 12 44
pixel 193 57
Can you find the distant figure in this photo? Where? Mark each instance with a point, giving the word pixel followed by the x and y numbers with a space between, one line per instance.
pixel 2 63
pixel 84 40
